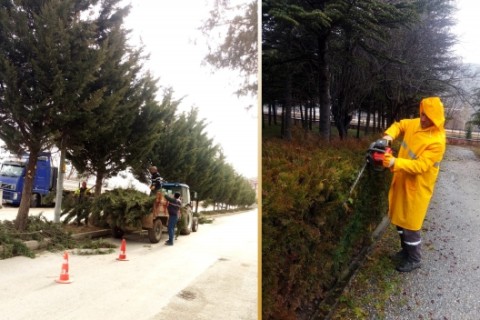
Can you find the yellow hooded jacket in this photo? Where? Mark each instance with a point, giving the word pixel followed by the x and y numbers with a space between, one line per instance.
pixel 416 168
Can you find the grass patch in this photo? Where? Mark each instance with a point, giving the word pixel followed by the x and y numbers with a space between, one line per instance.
pixel 94 247
pixel 204 220
pixel 203 217
pixel 374 283
pixel 91 252
pixel 225 211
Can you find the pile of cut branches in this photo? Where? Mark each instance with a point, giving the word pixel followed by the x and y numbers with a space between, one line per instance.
pixel 116 208
pixel 122 207
pixel 38 228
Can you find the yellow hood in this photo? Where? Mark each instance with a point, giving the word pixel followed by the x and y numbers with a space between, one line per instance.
pixel 433 108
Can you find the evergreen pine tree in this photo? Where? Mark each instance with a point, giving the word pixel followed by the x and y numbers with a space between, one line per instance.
pixel 39 86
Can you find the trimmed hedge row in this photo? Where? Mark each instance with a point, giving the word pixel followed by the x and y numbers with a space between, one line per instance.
pixel 311 228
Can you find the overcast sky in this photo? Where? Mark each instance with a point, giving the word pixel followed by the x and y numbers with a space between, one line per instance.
pixel 468 30
pixel 169 31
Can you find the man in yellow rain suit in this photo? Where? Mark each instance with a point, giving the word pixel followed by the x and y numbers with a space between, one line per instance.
pixel 415 172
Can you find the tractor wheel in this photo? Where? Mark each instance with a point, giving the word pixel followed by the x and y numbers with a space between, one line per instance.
pixel 155 233
pixel 195 224
pixel 187 222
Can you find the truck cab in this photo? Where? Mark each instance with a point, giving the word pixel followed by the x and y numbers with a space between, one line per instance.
pixel 171 187
pixel 12 175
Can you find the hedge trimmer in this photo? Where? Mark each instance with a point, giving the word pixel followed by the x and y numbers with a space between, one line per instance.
pixel 374 159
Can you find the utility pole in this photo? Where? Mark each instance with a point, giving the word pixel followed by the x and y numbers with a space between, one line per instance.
pixel 59 195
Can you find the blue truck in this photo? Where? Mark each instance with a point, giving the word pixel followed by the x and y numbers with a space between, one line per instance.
pixel 12 174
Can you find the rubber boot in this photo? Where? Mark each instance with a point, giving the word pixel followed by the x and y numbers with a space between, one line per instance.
pixel 401 255
pixel 413 260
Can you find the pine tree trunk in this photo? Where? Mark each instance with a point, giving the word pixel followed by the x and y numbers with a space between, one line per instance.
pixel 324 89
pixel 98 183
pixel 263 118
pixel 274 113
pixel 22 214
pixel 270 113
pixel 303 116
pixel 294 116
pixel 367 124
pixel 287 119
pixel 381 119
pixel 312 114
pixel 359 118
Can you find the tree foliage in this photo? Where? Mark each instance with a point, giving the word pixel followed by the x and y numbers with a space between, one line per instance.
pixel 336 56
pixel 127 119
pixel 46 62
pixel 238 49
pixel 185 153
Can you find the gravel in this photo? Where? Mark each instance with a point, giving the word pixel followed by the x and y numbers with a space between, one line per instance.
pixel 448 284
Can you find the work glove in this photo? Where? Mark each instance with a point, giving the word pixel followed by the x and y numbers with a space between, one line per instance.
pixel 388 160
pixel 389 139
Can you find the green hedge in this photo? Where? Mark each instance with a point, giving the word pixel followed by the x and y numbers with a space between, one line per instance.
pixel 311 229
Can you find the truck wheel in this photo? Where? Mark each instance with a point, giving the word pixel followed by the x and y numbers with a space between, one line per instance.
pixel 155 233
pixel 187 222
pixel 117 233
pixel 195 224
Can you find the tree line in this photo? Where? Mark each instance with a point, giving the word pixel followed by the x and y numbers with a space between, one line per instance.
pixel 70 79
pixel 340 56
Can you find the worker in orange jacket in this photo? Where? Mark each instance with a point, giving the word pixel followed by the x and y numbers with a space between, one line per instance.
pixel 415 172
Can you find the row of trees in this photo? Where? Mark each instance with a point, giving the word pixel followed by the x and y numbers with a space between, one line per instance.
pixel 379 57
pixel 69 78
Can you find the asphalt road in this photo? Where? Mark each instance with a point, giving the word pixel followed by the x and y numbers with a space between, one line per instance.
pixel 210 274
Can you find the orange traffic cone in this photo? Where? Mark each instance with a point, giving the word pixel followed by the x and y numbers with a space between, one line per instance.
pixel 123 248
pixel 64 278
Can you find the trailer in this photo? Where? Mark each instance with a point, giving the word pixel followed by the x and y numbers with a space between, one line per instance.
pixel 155 221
